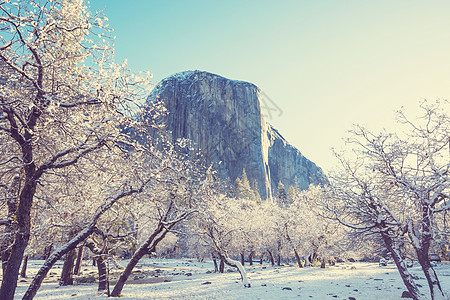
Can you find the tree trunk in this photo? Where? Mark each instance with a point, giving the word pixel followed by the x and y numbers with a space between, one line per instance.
pixel 422 251
pixel 14 261
pixel 261 258
pixel 241 269
pixel 48 250
pixel 401 266
pixel 103 282
pixel 216 269
pixel 297 257
pixel 271 257
pixel 242 259
pixel 21 237
pixel 221 266
pixel 77 269
pixel 10 228
pixel 67 270
pixel 323 263
pixel 149 245
pixel 432 279
pixel 4 262
pixel 312 258
pixel 250 258
pixel 279 253
pixel 23 272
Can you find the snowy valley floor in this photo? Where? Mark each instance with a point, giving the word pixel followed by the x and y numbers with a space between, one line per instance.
pixel 188 279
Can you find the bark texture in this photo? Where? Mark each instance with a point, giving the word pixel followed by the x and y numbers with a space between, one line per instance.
pixel 23 272
pixel 67 270
pixel 77 269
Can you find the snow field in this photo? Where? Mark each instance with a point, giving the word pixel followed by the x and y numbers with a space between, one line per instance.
pixel 188 279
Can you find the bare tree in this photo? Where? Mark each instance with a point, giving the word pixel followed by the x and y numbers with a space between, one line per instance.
pixel 397 186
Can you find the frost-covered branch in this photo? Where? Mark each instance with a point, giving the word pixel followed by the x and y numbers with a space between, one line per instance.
pixel 52 164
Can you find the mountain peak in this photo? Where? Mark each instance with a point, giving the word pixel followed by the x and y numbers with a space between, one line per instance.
pixel 223 119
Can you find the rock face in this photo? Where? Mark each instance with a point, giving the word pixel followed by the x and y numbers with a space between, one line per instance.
pixel 223 120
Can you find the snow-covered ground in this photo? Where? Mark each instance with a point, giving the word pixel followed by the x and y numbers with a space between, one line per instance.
pixel 188 279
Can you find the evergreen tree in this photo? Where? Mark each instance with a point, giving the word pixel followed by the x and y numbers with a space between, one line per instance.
pixel 245 181
pixel 281 194
pixel 238 187
pixel 291 194
pixel 242 186
pixel 256 195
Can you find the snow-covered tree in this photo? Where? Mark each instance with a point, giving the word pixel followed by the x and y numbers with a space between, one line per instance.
pixel 397 187
pixel 321 237
pixel 177 190
pixel 291 194
pixel 243 189
pixel 281 194
pixel 222 226
pixel 272 234
pixel 98 210
pixel 256 195
pixel 62 98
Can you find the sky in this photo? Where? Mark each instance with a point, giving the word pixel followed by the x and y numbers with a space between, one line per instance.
pixel 326 64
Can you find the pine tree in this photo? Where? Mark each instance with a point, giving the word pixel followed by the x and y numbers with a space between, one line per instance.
pixel 242 186
pixel 238 187
pixel 291 194
pixel 256 195
pixel 245 182
pixel 281 194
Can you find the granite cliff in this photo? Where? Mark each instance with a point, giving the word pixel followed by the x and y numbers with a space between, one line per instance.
pixel 224 121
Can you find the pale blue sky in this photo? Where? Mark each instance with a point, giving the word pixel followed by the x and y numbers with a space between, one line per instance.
pixel 326 64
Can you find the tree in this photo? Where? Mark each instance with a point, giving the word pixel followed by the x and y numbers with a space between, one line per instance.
pixel 397 187
pixel 320 236
pixel 256 195
pixel 291 194
pixel 355 204
pixel 242 187
pixel 174 195
pixel 220 226
pixel 272 234
pixel 61 99
pixel 74 194
pixel 124 191
pixel 167 221
pixel 281 194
